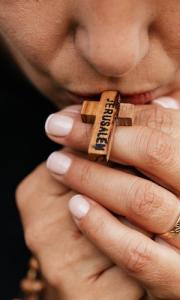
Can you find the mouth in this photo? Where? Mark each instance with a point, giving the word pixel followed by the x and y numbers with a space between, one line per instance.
pixel 141 98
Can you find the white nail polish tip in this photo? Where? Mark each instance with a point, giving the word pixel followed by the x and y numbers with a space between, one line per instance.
pixel 58 163
pixel 48 121
pixel 167 102
pixel 79 206
pixel 59 125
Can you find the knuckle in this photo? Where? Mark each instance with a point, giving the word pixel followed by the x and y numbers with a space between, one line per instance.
pixel 30 239
pixel 19 194
pixel 137 257
pixel 160 118
pixel 54 275
pixel 57 270
pixel 159 151
pixel 145 200
pixel 26 187
pixel 34 234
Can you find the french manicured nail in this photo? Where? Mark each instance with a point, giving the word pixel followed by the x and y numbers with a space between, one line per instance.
pixel 59 163
pixel 167 102
pixel 79 206
pixel 58 125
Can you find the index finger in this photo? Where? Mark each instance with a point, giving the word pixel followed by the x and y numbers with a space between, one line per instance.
pixel 66 127
pixel 154 265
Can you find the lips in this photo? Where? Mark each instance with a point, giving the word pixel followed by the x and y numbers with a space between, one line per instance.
pixel 141 98
pixel 138 98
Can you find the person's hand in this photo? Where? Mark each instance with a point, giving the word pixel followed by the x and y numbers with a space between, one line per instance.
pixel 153 147
pixel 73 268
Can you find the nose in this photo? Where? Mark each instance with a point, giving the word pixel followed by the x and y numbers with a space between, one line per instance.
pixel 113 49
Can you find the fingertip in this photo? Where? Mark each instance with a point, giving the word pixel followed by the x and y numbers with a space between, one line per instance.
pixel 59 125
pixel 59 162
pixel 79 206
pixel 48 120
pixel 167 102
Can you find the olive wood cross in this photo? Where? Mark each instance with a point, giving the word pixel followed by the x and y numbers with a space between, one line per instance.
pixel 105 114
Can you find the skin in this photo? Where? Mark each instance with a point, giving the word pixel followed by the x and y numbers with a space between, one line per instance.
pixel 131 46
pixel 72 266
pixel 152 207
pixel 82 35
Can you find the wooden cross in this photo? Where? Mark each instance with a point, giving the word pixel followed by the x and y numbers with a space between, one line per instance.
pixel 105 114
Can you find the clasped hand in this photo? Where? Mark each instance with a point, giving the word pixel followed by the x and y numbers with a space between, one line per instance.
pixel 151 204
pixel 124 215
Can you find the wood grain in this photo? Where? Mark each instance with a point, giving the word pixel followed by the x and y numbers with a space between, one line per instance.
pixel 105 115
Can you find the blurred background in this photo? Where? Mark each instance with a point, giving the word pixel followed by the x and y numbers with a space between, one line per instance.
pixel 23 145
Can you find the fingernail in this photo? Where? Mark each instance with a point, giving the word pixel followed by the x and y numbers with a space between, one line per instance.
pixel 79 206
pixel 58 125
pixel 59 163
pixel 167 102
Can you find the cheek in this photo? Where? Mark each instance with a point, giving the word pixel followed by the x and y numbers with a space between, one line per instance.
pixel 168 27
pixel 35 30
